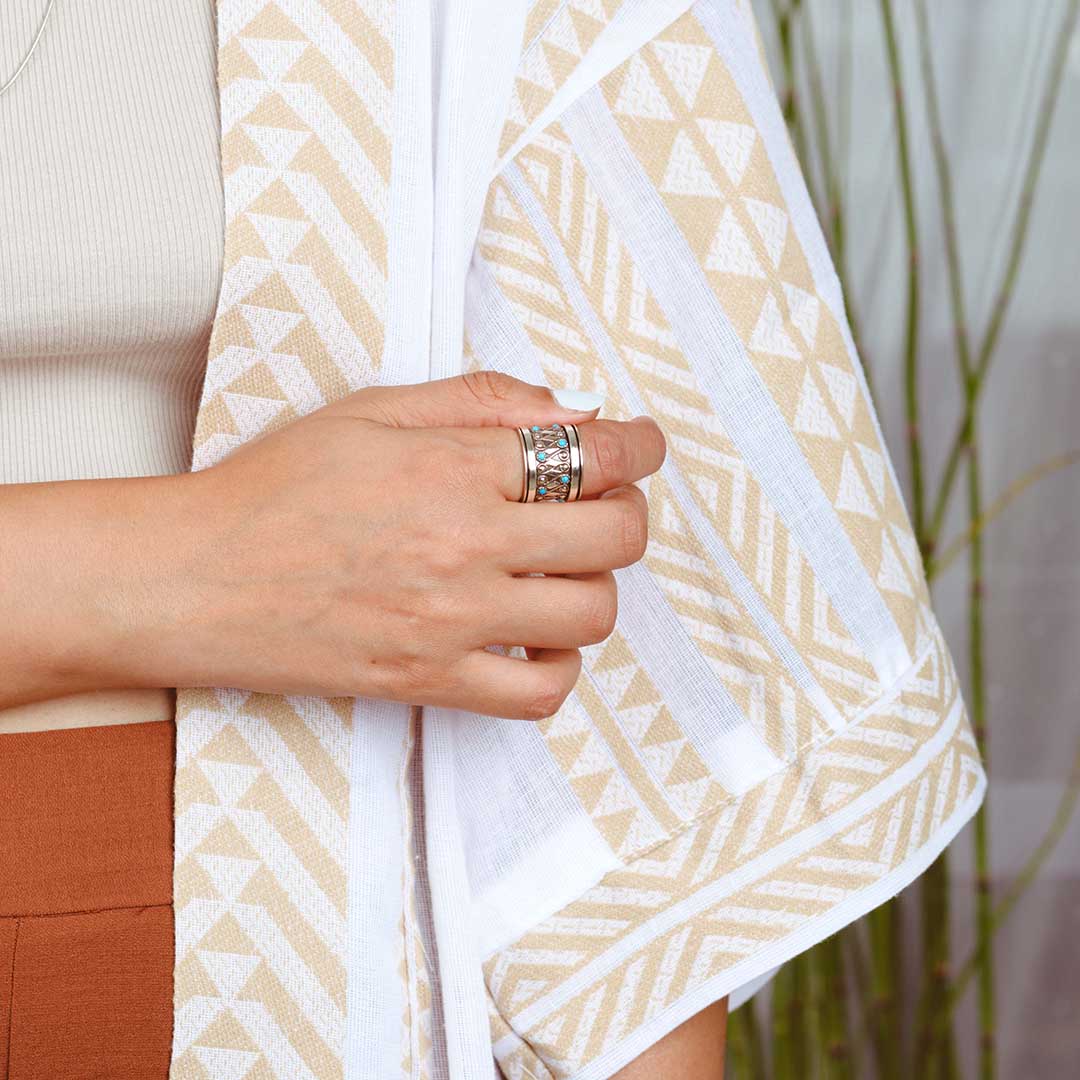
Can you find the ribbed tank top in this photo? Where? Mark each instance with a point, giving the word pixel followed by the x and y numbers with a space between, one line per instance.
pixel 111 235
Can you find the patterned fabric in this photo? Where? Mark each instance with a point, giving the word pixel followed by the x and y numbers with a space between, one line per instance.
pixel 262 782
pixel 769 744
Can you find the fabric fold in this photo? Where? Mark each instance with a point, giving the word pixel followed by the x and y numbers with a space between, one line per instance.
pixel 595 194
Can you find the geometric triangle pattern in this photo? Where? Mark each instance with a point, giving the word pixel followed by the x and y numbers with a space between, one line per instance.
pixel 853 784
pixel 670 930
pixel 261 785
pixel 558 34
pixel 766 290
pixel 728 493
pixel 744 879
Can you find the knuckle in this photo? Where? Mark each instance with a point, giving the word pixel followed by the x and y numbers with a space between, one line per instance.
pixel 545 701
pixel 633 530
pixel 600 613
pixel 401 677
pixel 490 388
pixel 611 455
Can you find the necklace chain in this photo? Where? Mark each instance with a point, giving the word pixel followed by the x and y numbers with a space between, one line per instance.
pixel 29 52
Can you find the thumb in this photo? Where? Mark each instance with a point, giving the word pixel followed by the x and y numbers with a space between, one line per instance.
pixel 475 399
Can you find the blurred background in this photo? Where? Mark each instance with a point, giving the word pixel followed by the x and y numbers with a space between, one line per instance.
pixel 941 146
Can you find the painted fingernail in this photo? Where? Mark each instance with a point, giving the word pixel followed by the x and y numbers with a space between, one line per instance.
pixel 578 400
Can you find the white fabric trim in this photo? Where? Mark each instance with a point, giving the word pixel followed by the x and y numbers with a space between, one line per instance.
pixel 764 963
pixel 374 989
pixel 700 324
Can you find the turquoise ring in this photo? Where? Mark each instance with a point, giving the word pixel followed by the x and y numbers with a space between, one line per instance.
pixel 551 454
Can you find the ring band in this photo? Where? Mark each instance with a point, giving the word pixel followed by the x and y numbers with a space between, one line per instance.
pixel 552 463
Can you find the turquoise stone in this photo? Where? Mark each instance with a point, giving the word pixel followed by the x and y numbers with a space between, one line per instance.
pixel 565 479
pixel 554 427
pixel 536 427
pixel 562 442
pixel 543 491
pixel 540 455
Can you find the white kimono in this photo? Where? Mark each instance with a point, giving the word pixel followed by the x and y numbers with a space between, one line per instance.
pixel 597 194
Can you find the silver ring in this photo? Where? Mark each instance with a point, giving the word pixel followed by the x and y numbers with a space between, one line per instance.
pixel 552 458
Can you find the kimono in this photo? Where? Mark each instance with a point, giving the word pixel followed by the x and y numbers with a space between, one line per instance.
pixel 597 194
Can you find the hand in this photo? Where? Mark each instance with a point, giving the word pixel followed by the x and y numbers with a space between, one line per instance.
pixel 374 548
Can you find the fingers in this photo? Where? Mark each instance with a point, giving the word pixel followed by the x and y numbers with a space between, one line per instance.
pixel 577 537
pixel 475 399
pixel 613 452
pixel 552 612
pixel 516 689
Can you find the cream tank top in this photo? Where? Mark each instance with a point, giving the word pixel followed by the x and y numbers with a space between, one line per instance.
pixel 111 246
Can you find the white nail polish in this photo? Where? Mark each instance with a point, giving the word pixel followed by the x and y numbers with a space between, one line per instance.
pixel 579 400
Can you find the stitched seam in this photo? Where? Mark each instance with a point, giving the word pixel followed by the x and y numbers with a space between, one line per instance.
pixel 85 911
pixel 11 1000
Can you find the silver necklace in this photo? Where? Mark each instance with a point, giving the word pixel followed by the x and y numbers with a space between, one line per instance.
pixel 29 52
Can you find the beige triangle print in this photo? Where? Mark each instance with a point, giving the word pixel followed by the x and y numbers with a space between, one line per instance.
pixel 262 782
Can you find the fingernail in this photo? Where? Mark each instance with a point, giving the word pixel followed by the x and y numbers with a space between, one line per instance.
pixel 578 400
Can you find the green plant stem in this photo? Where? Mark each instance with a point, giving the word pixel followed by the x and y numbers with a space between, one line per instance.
pixel 783 1052
pixel 786 13
pixel 911 330
pixel 983 880
pixel 885 980
pixel 832 211
pixel 1007 905
pixel 1017 244
pixel 866 1026
pixel 936 998
pixel 746 1050
pixel 952 550
pixel 835 1037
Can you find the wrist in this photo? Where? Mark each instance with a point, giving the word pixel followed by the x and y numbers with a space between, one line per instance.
pixel 96 561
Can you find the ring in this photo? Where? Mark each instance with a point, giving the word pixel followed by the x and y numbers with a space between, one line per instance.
pixel 552 458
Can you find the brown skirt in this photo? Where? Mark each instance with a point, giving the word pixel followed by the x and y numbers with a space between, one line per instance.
pixel 86 917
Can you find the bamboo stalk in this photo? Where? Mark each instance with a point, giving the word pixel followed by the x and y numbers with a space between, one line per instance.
pixel 932 1033
pixel 832 212
pixel 783 1053
pixel 786 13
pixel 868 1030
pixel 746 1052
pixel 983 879
pixel 835 1026
pixel 911 231
pixel 1017 244
pixel 1063 814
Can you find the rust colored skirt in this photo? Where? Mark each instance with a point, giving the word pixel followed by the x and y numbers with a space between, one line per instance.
pixel 86 917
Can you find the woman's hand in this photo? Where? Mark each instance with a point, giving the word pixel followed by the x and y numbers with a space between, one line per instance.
pixel 375 547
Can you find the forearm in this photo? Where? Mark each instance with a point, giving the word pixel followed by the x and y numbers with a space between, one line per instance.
pixel 84 586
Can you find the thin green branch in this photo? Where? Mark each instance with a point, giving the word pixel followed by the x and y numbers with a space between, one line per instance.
pixel 831 211
pixel 747 1048
pixel 983 881
pixel 955 547
pixel 1018 241
pixel 867 1028
pixel 1063 814
pixel 983 900
pixel 950 232
pixel 911 229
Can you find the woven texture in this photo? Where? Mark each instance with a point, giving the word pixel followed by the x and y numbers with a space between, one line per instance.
pixel 262 782
pixel 770 743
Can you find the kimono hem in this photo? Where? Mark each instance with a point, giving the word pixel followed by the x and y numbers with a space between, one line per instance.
pixel 587 193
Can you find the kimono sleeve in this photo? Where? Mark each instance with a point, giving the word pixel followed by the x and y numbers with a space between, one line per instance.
pixel 772 741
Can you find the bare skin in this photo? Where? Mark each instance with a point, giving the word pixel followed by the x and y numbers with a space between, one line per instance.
pixel 693 1051
pixel 371 548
